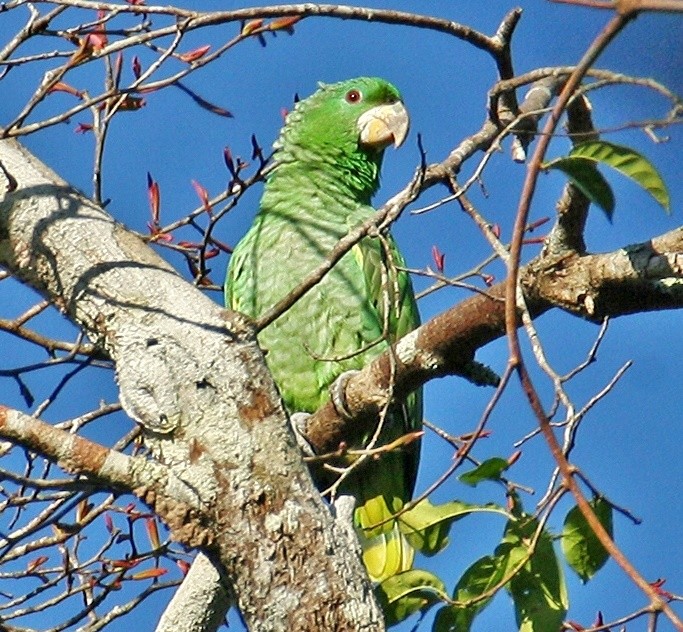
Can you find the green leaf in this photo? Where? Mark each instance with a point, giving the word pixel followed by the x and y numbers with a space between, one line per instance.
pixel 629 163
pixel 405 593
pixel 583 174
pixel 478 579
pixel 447 620
pixel 426 526
pixel 581 547
pixel 538 588
pixel 489 470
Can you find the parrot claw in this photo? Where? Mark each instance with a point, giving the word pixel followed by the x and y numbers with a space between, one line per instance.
pixel 298 422
pixel 338 394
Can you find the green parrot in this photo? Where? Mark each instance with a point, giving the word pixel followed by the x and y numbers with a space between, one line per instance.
pixel 326 169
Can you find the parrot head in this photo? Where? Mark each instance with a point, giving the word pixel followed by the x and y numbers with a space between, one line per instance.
pixel 345 126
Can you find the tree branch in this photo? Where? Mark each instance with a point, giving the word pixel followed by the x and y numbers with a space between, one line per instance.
pixel 77 455
pixel 640 278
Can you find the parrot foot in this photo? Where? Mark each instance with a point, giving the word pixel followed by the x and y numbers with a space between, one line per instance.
pixel 298 421
pixel 338 394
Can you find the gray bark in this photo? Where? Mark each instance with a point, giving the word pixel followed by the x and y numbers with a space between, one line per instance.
pixel 199 604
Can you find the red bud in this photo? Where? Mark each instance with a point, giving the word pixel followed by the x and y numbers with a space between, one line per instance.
pixel 251 26
pixel 118 64
pixel 39 561
pixel 82 510
pixel 82 128
pixel 514 457
pixel 284 24
pixel 256 151
pixel 154 196
pixel 60 86
pixel 203 195
pixel 539 222
pixel 132 103
pixel 149 573
pixel 95 41
pixel 439 258
pixel 124 564
pixel 152 533
pixel 658 586
pixel 229 162
pixel 137 67
pixel 195 54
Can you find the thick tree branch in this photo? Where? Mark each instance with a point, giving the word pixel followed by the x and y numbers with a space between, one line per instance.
pixel 639 278
pixel 200 604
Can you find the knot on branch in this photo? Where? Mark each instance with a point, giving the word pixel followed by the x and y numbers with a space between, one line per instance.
pixel 149 390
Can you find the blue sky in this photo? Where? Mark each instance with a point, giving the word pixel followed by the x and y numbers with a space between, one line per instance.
pixel 629 445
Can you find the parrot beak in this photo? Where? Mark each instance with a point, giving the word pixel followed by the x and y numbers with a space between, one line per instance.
pixel 383 125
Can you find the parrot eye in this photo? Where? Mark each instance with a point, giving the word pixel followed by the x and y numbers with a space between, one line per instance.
pixel 353 96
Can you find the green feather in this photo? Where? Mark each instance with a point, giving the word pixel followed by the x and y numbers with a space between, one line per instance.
pixel 319 189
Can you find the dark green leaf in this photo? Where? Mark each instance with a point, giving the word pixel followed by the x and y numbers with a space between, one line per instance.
pixel 426 526
pixel 404 594
pixel 583 174
pixel 489 470
pixel 538 588
pixel 582 549
pixel 449 619
pixel 629 163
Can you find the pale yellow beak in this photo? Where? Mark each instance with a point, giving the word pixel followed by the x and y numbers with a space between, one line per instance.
pixel 383 125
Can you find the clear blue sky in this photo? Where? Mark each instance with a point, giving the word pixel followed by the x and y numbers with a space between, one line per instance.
pixel 630 443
